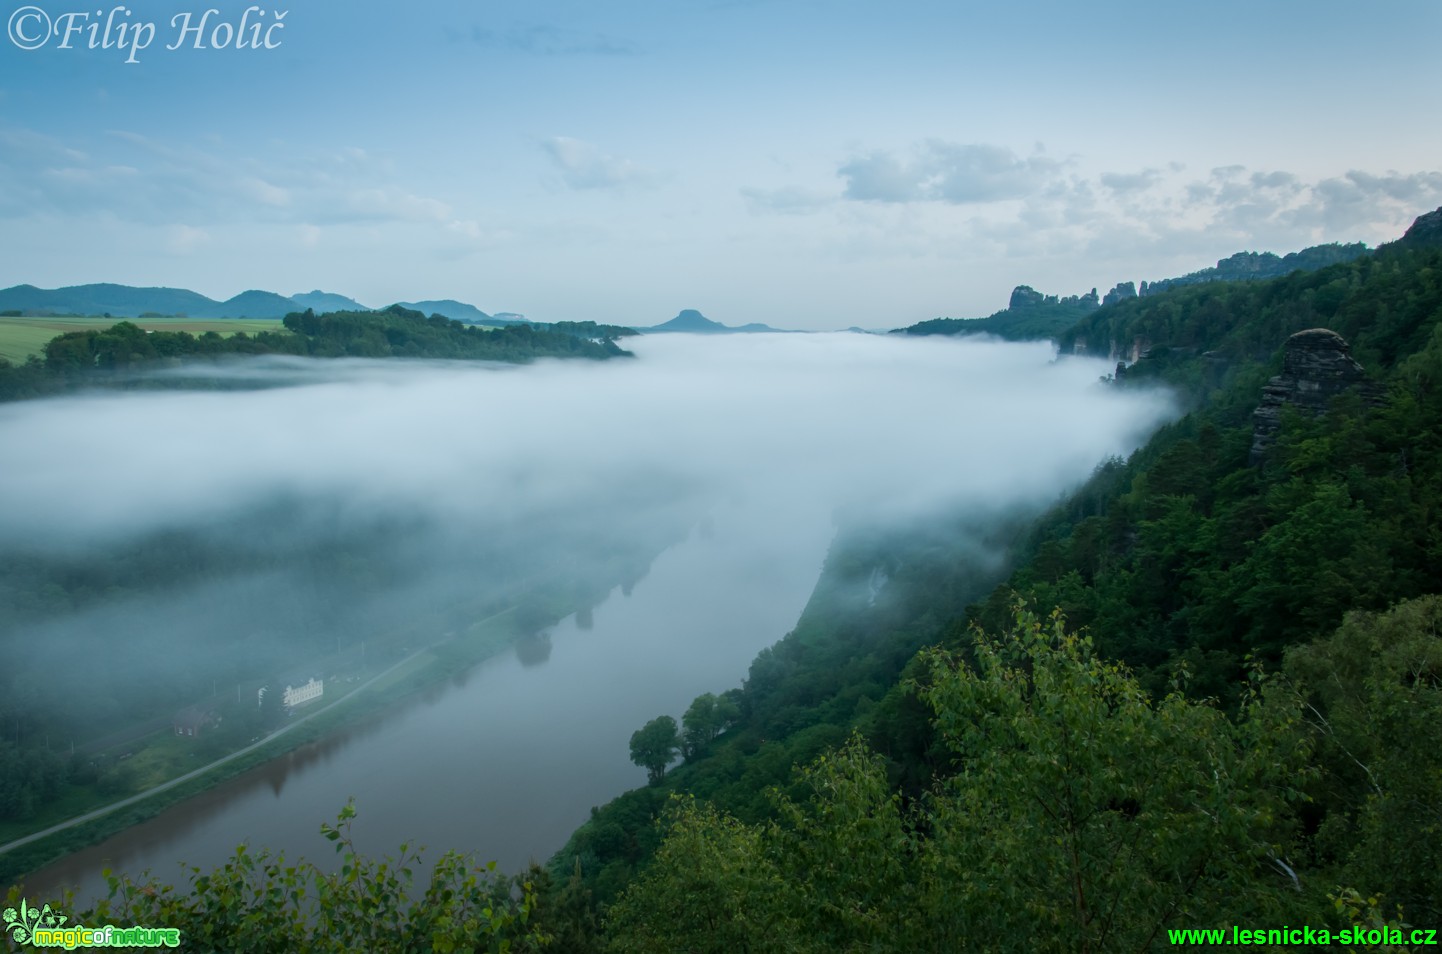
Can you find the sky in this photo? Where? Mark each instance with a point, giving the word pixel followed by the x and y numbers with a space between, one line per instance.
pixel 809 165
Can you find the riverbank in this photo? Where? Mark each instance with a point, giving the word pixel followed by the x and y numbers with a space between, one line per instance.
pixel 395 684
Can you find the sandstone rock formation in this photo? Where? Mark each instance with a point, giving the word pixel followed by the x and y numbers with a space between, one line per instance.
pixel 1024 296
pixel 1122 292
pixel 1317 365
pixel 1427 230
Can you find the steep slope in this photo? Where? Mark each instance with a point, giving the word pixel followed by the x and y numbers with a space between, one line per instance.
pixel 1184 562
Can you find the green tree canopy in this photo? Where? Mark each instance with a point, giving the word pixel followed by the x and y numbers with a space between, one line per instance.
pixel 708 716
pixel 1377 711
pixel 1078 815
pixel 655 746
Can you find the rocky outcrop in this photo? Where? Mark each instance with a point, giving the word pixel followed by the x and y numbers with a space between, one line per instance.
pixel 1427 230
pixel 1317 365
pixel 1122 292
pixel 1024 296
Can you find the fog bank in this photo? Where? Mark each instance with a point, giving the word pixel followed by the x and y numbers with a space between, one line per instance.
pixel 174 545
pixel 804 420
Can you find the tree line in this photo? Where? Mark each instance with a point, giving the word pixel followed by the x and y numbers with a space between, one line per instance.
pixel 96 357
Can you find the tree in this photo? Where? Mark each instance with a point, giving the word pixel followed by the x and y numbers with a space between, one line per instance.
pixel 712 889
pixel 1085 816
pixel 708 716
pixel 655 745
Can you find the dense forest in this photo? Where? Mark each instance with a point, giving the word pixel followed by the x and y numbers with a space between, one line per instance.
pixel 1207 692
pixel 110 357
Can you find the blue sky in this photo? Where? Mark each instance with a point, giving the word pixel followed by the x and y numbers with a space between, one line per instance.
pixel 805 164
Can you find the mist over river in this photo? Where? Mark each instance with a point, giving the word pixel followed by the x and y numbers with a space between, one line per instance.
pixel 506 759
pixel 716 465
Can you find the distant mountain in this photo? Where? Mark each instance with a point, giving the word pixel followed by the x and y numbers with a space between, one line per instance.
pixel 126 301
pixel 321 302
pixel 254 304
pixel 693 322
pixel 450 308
pixel 122 301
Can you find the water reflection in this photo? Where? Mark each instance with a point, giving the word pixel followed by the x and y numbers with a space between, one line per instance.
pixel 534 650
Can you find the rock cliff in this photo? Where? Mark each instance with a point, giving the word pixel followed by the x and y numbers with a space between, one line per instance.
pixel 1024 296
pixel 1427 230
pixel 1122 292
pixel 1317 365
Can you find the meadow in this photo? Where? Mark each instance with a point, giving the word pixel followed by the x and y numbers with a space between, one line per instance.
pixel 22 337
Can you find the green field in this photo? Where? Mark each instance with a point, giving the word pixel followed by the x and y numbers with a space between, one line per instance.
pixel 22 337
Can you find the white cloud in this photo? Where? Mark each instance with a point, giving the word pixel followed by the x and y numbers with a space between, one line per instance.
pixel 185 239
pixel 584 166
pixel 959 173
pixel 540 39
pixel 880 177
pixel 788 200
pixel 1125 182
pixel 390 205
pixel 264 192
pixel 141 180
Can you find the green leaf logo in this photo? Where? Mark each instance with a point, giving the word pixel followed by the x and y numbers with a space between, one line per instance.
pixel 22 924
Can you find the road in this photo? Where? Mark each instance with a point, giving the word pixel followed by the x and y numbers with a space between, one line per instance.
pixel 188 776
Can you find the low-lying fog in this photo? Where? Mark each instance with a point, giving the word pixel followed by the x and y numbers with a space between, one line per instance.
pixel 158 546
pixel 810 420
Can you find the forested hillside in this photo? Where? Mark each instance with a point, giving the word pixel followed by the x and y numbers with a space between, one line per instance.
pixel 1249 266
pixel 1214 595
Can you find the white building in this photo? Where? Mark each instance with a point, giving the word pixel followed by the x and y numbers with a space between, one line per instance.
pixel 300 695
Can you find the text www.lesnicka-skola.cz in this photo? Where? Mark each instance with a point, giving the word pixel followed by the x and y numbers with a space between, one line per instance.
pixel 1303 936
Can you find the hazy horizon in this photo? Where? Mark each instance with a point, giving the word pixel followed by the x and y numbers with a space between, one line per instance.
pixel 780 161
